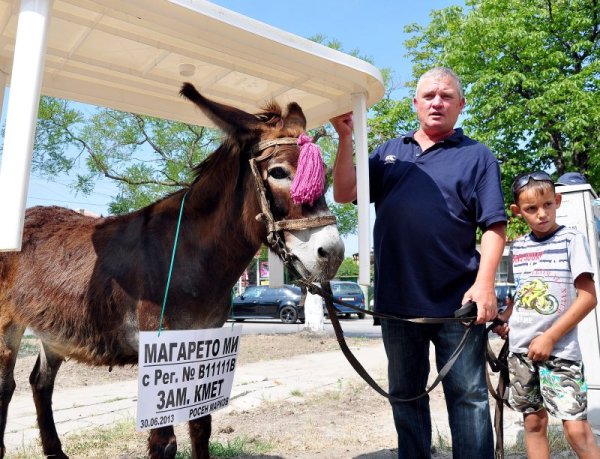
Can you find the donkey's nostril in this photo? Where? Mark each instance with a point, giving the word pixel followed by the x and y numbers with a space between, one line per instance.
pixel 322 252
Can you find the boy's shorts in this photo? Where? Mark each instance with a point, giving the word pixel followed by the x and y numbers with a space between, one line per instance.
pixel 555 384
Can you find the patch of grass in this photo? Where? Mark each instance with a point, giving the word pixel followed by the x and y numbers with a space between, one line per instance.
pixel 559 446
pixel 25 452
pixel 234 448
pixel 109 441
pixel 29 346
pixel 556 440
pixel 238 447
pixel 296 393
pixel 441 443
pixel 121 440
pixel 98 443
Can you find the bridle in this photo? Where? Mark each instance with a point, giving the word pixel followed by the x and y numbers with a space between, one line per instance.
pixel 275 227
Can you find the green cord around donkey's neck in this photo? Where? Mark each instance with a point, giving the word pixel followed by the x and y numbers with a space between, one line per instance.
pixel 164 305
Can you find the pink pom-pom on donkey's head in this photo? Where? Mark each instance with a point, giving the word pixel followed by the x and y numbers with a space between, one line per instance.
pixel 309 182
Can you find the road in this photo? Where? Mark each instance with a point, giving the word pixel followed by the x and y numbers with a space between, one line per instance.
pixel 351 327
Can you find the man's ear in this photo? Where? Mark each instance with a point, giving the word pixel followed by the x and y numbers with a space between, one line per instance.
pixel 515 210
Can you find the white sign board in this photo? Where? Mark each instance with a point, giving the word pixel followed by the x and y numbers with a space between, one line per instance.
pixel 184 374
pixel 577 211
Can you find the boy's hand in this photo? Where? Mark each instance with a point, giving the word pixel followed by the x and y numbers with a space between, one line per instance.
pixel 540 348
pixel 503 329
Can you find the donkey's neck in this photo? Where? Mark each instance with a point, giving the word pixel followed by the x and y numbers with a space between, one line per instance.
pixel 220 214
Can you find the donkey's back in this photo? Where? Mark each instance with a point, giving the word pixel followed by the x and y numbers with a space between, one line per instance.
pixel 57 288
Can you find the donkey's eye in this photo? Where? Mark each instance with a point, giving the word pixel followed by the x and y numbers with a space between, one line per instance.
pixel 278 173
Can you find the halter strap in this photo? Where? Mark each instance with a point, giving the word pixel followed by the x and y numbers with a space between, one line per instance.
pixel 260 146
pixel 274 228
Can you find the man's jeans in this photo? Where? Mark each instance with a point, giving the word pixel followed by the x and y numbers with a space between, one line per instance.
pixel 407 347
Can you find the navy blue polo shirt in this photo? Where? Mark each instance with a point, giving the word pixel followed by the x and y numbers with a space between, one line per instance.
pixel 428 206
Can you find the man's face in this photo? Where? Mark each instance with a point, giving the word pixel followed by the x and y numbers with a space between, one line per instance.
pixel 438 104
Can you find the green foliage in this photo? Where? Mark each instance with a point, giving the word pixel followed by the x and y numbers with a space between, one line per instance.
pixel 337 45
pixel 348 268
pixel 388 119
pixel 146 157
pixel 347 217
pixel 531 74
pixel 516 227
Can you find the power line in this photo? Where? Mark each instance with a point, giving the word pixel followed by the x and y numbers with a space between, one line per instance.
pixel 66 202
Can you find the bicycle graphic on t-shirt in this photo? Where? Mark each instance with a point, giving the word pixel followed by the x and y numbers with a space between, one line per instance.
pixel 535 295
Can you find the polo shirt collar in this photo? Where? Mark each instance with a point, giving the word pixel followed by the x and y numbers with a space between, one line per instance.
pixel 454 139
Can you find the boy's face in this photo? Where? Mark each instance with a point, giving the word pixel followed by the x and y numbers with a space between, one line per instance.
pixel 539 210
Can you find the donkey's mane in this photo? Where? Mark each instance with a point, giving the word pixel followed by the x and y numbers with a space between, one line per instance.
pixel 271 113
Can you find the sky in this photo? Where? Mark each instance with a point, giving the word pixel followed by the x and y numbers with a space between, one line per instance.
pixel 375 28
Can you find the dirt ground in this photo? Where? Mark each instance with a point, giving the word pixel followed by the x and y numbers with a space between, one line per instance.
pixel 254 348
pixel 350 422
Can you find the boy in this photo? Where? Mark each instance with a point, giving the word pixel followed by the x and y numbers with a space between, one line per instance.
pixel 555 291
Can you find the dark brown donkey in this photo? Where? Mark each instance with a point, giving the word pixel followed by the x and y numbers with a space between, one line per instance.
pixel 86 286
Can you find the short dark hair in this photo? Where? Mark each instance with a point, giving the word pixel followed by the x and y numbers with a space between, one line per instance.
pixel 439 73
pixel 538 180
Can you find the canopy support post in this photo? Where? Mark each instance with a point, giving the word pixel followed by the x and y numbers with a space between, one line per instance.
pixel 21 118
pixel 359 109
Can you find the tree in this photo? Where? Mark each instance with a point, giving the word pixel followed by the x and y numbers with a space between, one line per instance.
pixel 146 157
pixel 532 78
pixel 348 269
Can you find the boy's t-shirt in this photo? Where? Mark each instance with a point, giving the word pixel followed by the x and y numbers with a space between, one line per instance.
pixel 545 271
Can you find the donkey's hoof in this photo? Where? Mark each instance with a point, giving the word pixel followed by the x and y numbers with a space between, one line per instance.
pixel 59 455
pixel 167 451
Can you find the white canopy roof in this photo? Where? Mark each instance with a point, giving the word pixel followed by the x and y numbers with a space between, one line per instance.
pixel 133 55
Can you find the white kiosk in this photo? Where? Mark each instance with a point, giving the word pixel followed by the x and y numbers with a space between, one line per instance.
pixel 577 211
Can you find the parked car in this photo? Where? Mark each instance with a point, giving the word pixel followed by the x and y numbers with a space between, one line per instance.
pixel 348 292
pixel 263 302
pixel 504 292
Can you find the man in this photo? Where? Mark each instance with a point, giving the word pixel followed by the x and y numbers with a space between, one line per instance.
pixel 432 188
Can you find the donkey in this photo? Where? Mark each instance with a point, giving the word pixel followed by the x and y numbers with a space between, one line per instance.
pixel 86 286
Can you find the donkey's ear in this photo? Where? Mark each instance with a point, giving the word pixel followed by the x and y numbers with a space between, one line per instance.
pixel 294 119
pixel 229 119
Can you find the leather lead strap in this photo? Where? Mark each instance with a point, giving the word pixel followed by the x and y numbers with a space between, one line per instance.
pixel 498 365
pixel 339 334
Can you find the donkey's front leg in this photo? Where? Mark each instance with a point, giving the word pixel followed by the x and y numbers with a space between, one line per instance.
pixel 200 430
pixel 162 443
